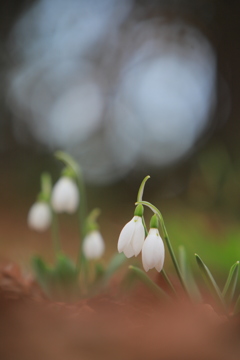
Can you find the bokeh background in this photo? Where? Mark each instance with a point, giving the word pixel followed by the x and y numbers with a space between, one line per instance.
pixel 129 88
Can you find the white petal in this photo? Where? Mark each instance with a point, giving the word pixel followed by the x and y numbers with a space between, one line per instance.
pixel 93 245
pixel 153 251
pixel 161 251
pixel 128 251
pixel 149 250
pixel 145 264
pixel 126 235
pixel 65 196
pixel 39 216
pixel 138 237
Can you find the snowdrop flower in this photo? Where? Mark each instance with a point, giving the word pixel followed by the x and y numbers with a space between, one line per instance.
pixel 93 245
pixel 153 252
pixel 65 196
pixel 39 216
pixel 132 236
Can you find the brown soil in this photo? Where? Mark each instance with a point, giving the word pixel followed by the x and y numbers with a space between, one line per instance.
pixel 108 326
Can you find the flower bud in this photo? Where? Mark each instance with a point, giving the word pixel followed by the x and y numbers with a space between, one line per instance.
pixel 93 245
pixel 65 196
pixel 39 216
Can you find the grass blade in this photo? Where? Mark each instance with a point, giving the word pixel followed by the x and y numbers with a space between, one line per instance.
pixel 231 283
pixel 210 282
pixel 187 275
pixel 236 310
pixel 116 262
pixel 142 276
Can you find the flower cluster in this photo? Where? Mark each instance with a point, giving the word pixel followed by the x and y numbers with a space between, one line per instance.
pixel 64 197
pixel 132 241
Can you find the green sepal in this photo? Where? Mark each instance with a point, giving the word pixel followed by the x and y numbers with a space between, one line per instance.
pixel 210 282
pixel 231 283
pixel 68 172
pixel 139 210
pixel 42 198
pixel 154 223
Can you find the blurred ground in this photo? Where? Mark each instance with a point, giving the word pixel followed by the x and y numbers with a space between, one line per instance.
pixel 105 327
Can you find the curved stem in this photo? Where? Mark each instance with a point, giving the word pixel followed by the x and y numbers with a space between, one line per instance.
pixel 169 245
pixel 55 234
pixel 82 210
pixel 141 188
pixel 168 281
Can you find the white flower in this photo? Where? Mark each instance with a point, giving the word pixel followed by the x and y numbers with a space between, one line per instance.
pixel 65 196
pixel 39 216
pixel 153 252
pixel 93 245
pixel 131 238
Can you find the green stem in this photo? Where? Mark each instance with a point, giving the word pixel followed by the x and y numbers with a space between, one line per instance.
pixel 168 281
pixel 55 234
pixel 82 210
pixel 82 213
pixel 169 245
pixel 141 188
pixel 142 276
pixel 145 227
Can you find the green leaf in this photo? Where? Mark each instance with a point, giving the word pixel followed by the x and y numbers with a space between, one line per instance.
pixel 142 276
pixel 99 272
pixel 210 282
pixel 231 283
pixel 65 270
pixel 187 275
pixel 141 188
pixel 116 262
pixel 43 273
pixel 60 281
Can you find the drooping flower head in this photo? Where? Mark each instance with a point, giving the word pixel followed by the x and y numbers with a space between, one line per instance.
pixel 65 195
pixel 132 236
pixel 93 245
pixel 153 252
pixel 39 216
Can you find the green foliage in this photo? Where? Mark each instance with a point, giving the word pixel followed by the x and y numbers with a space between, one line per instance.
pixel 142 276
pixel 210 282
pixel 60 282
pixel 187 275
pixel 231 283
